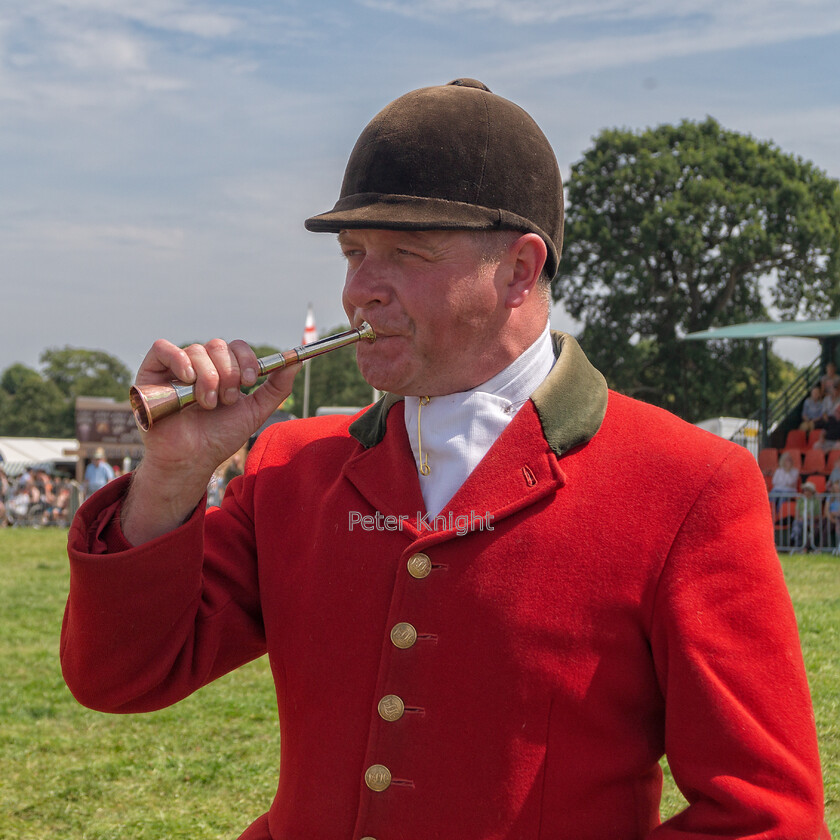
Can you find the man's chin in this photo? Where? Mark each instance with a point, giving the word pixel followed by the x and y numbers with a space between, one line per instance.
pixel 399 379
pixel 382 383
pixel 380 375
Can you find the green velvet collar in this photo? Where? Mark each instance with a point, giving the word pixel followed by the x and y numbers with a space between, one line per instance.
pixel 570 403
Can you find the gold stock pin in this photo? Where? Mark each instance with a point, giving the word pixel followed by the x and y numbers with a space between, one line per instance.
pixel 151 403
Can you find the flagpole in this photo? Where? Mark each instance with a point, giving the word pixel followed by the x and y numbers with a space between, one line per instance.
pixel 309 335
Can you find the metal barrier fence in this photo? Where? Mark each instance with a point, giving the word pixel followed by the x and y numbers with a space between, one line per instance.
pixel 806 521
pixel 748 436
pixel 19 509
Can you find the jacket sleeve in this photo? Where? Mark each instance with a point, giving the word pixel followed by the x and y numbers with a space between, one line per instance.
pixel 146 626
pixel 739 731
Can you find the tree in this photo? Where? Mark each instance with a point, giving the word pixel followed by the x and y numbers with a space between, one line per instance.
pixel 90 373
pixel 33 406
pixel 43 404
pixel 334 379
pixel 679 228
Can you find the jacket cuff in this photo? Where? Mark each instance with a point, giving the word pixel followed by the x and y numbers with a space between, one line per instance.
pixel 96 527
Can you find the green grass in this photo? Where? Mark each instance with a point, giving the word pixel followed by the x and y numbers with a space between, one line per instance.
pixel 814 584
pixel 205 768
pixel 202 769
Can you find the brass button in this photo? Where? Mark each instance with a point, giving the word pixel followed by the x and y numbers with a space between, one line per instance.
pixel 403 635
pixel 377 777
pixel 419 566
pixel 391 707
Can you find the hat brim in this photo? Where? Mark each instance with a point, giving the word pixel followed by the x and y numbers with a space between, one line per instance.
pixel 409 212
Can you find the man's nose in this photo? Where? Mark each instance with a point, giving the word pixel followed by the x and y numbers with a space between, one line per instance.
pixel 367 284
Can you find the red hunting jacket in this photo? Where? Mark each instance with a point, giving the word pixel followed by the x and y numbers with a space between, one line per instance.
pixel 603 589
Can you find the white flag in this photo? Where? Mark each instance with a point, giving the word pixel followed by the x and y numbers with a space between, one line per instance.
pixel 309 333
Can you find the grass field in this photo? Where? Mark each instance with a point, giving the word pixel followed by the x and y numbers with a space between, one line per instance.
pixel 208 766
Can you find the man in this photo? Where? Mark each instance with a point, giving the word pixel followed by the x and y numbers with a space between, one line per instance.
pixel 813 409
pixel 97 473
pixel 484 617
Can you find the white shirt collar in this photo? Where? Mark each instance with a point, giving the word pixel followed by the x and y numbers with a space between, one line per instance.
pixel 455 431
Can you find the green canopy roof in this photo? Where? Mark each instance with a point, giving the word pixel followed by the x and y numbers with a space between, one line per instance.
pixel 766 330
pixel 770 329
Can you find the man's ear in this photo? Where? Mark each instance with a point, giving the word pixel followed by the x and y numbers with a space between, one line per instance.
pixel 528 255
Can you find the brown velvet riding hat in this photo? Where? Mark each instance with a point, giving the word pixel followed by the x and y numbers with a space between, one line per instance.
pixel 453 157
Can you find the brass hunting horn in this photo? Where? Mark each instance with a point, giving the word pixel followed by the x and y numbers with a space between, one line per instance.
pixel 151 403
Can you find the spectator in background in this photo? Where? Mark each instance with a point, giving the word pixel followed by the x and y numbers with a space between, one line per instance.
pixel 834 475
pixel 831 425
pixel 4 492
pixel 830 379
pixel 832 513
pixel 812 409
pixel 25 501
pixel 57 514
pixel 24 480
pixel 43 481
pixel 831 399
pixel 786 477
pixel 41 495
pixel 97 473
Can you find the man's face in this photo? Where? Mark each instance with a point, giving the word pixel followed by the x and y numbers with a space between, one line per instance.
pixel 436 306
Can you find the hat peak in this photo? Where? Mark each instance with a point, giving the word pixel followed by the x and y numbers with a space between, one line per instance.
pixel 471 83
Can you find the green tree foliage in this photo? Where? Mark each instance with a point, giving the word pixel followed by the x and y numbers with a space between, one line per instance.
pixel 90 373
pixel 32 406
pixel 42 404
pixel 334 379
pixel 679 228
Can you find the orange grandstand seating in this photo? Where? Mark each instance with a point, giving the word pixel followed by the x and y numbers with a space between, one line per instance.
pixel 814 461
pixel 796 439
pixel 830 459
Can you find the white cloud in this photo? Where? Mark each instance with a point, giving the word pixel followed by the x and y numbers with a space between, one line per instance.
pixel 543 12
pixel 102 50
pixel 728 29
pixel 166 15
pixel 77 236
pixel 627 33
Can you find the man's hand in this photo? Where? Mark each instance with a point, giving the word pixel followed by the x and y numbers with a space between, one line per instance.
pixel 183 450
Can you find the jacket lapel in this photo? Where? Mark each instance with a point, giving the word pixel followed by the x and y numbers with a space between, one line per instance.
pixel 385 474
pixel 519 469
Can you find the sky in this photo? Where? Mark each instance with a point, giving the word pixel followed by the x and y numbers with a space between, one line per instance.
pixel 158 157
